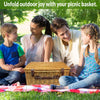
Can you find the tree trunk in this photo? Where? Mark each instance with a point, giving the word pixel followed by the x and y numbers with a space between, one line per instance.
pixel 1 17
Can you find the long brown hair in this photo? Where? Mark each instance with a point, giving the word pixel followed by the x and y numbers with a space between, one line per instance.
pixel 93 31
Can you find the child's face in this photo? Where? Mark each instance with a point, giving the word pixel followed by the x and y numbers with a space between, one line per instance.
pixel 35 29
pixel 64 34
pixel 85 38
pixel 13 36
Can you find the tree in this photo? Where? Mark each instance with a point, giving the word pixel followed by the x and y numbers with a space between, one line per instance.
pixel 79 16
pixel 1 17
pixel 12 13
pixel 47 13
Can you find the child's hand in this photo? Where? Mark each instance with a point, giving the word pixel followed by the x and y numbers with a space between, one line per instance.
pixel 9 67
pixel 20 69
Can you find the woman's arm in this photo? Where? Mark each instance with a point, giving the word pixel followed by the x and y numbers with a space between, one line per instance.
pixel 48 49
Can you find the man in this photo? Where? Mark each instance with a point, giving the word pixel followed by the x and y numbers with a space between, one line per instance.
pixel 67 43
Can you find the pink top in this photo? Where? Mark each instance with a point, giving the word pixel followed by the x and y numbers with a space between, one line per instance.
pixel 34 52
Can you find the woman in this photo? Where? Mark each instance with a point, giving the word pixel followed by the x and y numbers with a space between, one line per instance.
pixel 37 46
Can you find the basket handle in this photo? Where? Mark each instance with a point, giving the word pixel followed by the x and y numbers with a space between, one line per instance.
pixel 32 72
pixel 61 71
pixel 54 77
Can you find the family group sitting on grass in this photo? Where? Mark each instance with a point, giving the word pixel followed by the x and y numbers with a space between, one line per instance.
pixel 79 50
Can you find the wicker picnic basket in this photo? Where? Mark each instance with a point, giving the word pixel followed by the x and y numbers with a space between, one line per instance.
pixel 45 72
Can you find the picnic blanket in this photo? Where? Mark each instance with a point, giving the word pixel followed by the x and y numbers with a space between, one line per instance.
pixel 44 88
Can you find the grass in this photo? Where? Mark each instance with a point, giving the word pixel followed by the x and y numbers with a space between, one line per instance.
pixel 47 96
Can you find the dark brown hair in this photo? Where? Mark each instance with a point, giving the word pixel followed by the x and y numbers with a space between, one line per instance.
pixel 42 22
pixel 58 23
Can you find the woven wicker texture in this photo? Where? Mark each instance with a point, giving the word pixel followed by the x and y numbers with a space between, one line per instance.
pixel 45 72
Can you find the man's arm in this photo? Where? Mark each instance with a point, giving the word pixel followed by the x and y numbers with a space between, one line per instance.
pixel 56 53
pixel 75 70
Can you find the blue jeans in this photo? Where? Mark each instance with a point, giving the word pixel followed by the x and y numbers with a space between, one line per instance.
pixel 75 82
pixel 9 77
pixel 23 79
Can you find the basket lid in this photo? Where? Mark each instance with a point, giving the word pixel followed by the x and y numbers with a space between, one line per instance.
pixel 46 66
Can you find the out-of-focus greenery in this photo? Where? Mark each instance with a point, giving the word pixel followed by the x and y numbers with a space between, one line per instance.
pixel 13 14
pixel 75 17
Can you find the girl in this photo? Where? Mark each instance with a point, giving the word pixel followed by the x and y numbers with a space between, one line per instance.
pixel 37 46
pixel 89 58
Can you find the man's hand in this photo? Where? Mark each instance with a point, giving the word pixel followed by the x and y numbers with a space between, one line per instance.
pixel 72 72
pixel 75 70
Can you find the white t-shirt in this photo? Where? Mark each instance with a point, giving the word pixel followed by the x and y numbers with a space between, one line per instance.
pixel 71 52
pixel 34 52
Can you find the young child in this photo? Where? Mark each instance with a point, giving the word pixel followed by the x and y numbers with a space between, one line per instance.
pixel 12 56
pixel 89 58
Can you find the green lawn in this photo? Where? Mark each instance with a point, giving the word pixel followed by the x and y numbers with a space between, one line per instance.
pixel 47 96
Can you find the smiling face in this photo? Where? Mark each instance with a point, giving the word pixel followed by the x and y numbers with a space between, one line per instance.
pixel 64 34
pixel 35 29
pixel 12 36
pixel 85 38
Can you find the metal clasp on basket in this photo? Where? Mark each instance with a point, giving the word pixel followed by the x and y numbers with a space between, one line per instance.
pixel 32 72
pixel 62 71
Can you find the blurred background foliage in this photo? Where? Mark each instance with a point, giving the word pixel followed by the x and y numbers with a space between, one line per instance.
pixel 75 17
pixel 22 17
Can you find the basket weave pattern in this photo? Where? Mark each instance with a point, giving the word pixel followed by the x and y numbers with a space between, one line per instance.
pixel 45 72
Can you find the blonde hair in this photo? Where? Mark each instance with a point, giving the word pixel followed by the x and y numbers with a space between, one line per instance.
pixel 93 31
pixel 7 28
